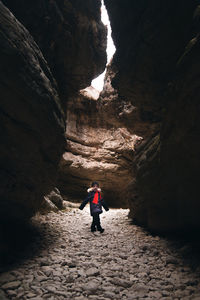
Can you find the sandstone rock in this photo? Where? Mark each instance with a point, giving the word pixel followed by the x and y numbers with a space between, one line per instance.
pixel 47 206
pixel 6 277
pixel 156 295
pixel 11 285
pixel 125 280
pixel 171 260
pixel 68 204
pixel 39 298
pixel 51 289
pixel 91 287
pixel 80 298
pixel 70 35
pixel 69 279
pixel 72 39
pixel 95 151
pixel 42 278
pixel 44 262
pixel 47 270
pixel 121 282
pixel 92 272
pixel 30 111
pixel 31 295
pixel 141 290
pixel 56 198
pixel 157 74
pixel 3 296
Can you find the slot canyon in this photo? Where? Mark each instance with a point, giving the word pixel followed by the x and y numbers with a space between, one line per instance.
pixel 138 137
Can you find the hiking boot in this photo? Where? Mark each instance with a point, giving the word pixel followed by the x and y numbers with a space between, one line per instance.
pixel 101 230
pixel 93 229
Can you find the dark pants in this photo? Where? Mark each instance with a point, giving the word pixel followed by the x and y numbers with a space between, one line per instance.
pixel 96 222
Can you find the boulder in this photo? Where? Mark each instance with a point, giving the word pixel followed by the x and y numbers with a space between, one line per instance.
pixel 47 206
pixel 56 198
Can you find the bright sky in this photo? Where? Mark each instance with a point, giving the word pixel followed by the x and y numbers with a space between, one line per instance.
pixel 98 82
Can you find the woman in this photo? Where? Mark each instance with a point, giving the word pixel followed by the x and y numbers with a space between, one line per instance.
pixel 96 203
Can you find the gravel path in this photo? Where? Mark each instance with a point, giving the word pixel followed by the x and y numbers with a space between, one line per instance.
pixel 124 262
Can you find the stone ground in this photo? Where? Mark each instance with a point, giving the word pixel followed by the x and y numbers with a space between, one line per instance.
pixel 67 261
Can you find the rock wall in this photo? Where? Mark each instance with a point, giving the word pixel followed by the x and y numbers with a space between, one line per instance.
pixel 140 138
pixel 30 110
pixel 96 150
pixel 157 61
pixel 71 37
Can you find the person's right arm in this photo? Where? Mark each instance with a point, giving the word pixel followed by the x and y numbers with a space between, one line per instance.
pixel 83 204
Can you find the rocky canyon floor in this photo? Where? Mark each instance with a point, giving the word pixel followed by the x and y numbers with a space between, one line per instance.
pixel 66 261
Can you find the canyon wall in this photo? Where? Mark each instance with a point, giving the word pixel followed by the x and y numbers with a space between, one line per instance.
pixel 62 51
pixel 157 61
pixel 70 35
pixel 97 149
pixel 139 138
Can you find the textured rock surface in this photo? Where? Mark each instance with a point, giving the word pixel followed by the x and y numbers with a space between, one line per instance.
pixel 72 39
pixel 52 202
pixel 95 150
pixel 71 36
pixel 47 206
pixel 159 76
pixel 32 121
pixel 119 111
pixel 56 198
pixel 67 261
pixel 140 139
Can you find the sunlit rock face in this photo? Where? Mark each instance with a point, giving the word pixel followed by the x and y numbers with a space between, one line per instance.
pixel 157 62
pixel 96 150
pixel 70 48
pixel 70 35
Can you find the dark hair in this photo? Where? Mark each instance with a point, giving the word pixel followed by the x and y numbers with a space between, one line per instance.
pixel 95 183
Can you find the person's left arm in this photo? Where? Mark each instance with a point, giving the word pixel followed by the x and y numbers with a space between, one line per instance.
pixel 104 204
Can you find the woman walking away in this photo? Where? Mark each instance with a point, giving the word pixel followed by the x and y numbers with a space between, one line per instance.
pixel 96 203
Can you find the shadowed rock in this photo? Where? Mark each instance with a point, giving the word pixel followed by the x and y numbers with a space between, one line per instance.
pixel 159 76
pixel 70 35
pixel 32 121
pixel 72 39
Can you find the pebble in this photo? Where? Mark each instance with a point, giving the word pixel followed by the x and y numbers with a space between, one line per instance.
pixel 125 262
pixel 11 285
pixel 91 287
pixel 6 277
pixel 3 296
pixel 92 272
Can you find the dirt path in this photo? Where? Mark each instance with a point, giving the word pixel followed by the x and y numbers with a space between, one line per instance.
pixel 124 262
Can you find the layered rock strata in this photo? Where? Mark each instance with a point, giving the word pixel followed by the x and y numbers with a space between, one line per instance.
pixel 71 37
pixel 96 149
pixel 157 61
pixel 30 111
